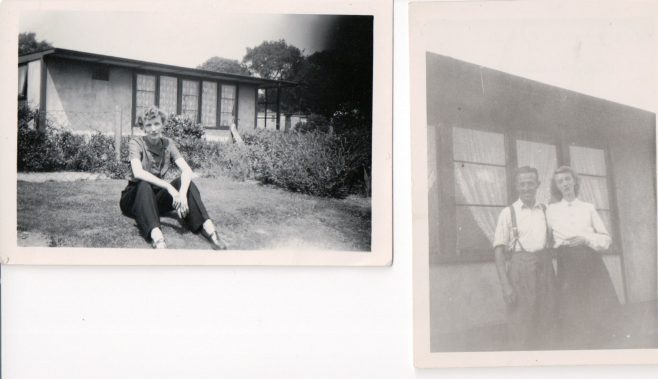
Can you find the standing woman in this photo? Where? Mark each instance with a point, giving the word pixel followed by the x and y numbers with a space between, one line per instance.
pixel 588 307
pixel 148 195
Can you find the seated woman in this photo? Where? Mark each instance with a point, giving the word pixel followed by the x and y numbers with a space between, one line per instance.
pixel 588 307
pixel 148 195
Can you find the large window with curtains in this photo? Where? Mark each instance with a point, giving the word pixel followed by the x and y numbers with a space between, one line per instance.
pixel 481 183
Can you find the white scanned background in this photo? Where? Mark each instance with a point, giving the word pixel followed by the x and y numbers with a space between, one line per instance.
pixel 235 322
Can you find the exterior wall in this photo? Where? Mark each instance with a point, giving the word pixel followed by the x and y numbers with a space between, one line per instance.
pixel 77 102
pixel 34 84
pixel 246 107
pixel 637 218
pixel 466 296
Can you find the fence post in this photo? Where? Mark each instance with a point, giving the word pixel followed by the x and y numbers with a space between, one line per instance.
pixel 117 133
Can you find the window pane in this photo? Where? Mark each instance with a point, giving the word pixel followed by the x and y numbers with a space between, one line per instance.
pixel 476 146
pixel 479 184
pixel 228 105
pixel 543 157
pixel 145 83
pixel 476 227
pixel 594 190
pixel 22 80
pixel 586 160
pixel 209 104
pixel 190 101
pixel 168 94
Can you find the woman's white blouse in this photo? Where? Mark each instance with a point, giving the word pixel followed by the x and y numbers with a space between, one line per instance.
pixel 577 218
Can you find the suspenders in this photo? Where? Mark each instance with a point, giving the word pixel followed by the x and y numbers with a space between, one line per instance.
pixel 515 229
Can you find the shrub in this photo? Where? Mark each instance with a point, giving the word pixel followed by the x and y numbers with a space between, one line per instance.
pixel 37 150
pixel 313 163
pixel 181 127
pixel 94 155
pixel 314 123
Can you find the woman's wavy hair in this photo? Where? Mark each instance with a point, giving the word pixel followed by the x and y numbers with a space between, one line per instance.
pixel 555 192
pixel 149 114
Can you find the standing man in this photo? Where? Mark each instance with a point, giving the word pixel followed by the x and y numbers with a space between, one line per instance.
pixel 527 278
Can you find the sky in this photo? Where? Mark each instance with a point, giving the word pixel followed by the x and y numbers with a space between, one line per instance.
pixel 177 38
pixel 609 57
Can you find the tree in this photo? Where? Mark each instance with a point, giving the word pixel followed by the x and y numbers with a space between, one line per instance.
pixel 227 66
pixel 28 43
pixel 273 60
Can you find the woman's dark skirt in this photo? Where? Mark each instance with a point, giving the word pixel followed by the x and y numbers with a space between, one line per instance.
pixel 588 307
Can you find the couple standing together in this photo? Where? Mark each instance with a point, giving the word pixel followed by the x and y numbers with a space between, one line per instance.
pixel 575 307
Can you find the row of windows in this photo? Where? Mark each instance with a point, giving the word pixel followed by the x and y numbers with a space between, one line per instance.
pixel 483 164
pixel 198 99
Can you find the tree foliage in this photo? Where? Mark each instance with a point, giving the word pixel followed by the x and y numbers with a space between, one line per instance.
pixel 224 65
pixel 273 60
pixel 28 43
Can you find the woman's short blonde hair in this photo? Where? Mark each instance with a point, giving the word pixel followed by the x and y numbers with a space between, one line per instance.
pixel 555 192
pixel 149 114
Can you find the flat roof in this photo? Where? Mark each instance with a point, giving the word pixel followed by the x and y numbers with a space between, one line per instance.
pixel 150 66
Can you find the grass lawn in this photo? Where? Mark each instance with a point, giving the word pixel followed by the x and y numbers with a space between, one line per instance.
pixel 248 215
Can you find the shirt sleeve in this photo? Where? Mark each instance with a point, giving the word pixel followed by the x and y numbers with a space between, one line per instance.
pixel 175 154
pixel 599 240
pixel 502 234
pixel 134 150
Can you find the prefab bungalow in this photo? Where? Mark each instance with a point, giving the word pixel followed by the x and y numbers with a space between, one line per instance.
pixel 92 92
pixel 481 125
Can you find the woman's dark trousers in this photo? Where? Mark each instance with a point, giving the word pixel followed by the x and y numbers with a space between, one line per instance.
pixel 145 202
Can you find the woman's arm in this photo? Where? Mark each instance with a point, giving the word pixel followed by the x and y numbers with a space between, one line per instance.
pixel 185 177
pixel 599 240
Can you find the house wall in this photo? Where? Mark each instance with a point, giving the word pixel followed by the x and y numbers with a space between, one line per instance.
pixel 34 83
pixel 246 107
pixel 464 295
pixel 77 102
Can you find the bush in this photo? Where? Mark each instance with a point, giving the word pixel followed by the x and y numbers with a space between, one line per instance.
pixel 37 151
pixel 312 163
pixel 181 127
pixel 314 123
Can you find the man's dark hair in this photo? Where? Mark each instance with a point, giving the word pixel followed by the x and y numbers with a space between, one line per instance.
pixel 526 170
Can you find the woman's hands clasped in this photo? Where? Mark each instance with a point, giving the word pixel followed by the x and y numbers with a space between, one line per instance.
pixel 179 202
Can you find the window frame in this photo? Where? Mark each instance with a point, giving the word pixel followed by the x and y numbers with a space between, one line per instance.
pixel 220 109
pixel 179 95
pixel 267 103
pixel 447 250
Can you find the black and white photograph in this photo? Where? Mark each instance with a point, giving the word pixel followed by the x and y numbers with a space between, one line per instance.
pixel 536 184
pixel 212 129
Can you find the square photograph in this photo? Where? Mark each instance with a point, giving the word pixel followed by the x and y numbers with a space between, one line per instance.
pixel 204 128
pixel 535 193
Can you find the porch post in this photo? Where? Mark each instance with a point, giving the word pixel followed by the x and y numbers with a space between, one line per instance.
pixel 278 108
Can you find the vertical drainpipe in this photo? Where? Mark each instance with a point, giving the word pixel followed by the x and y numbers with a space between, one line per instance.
pixel 42 95
pixel 278 107
pixel 256 108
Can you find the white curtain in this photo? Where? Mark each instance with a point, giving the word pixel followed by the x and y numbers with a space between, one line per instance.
pixel 590 163
pixel 168 94
pixel 22 79
pixel 479 184
pixel 228 105
pixel 190 99
pixel 594 190
pixel 209 104
pixel 586 160
pixel 477 146
pixel 543 157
